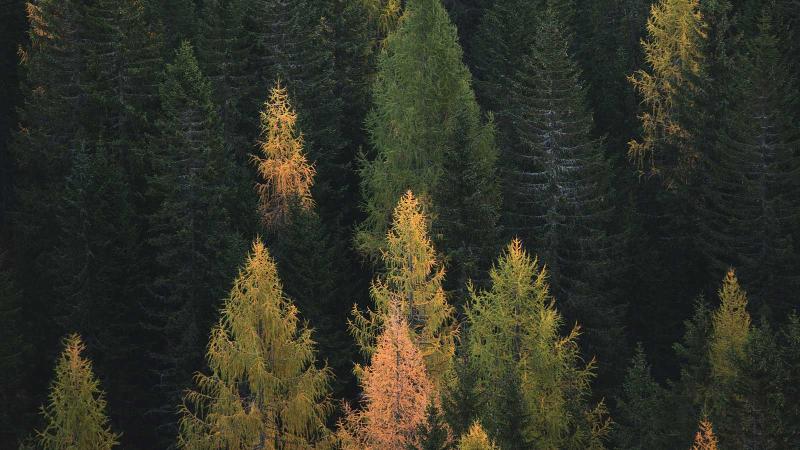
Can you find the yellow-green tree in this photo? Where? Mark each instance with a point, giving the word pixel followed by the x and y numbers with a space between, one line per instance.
pixel 412 283
pixel 264 390
pixel 75 415
pixel 286 176
pixel 730 330
pixel 476 439
pixel 675 55
pixel 514 339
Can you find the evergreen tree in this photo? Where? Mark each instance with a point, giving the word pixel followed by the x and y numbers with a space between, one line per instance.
pixel 427 131
pixel 412 283
pixel 397 392
pixel 434 433
pixel 670 88
pixel 750 202
pixel 556 189
pixel 14 353
pixel 75 415
pixel 195 244
pixel 476 439
pixel 789 354
pixel 264 390
pixel 640 423
pixel 514 338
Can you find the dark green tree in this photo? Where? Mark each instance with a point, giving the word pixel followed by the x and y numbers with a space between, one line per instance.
pixel 195 245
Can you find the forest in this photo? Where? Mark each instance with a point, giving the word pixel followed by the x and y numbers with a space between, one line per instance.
pixel 399 224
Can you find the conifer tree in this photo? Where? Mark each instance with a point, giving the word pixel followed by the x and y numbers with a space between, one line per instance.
pixel 195 245
pixel 476 439
pixel 75 416
pixel 397 392
pixel 14 350
pixel 669 88
pixel 412 283
pixel 704 439
pixel 556 186
pixel 730 328
pixel 751 198
pixel 264 390
pixel 427 131
pixel 514 338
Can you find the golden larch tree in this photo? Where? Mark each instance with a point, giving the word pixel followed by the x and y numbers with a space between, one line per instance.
pixel 476 439
pixel 286 176
pixel 730 329
pixel 704 439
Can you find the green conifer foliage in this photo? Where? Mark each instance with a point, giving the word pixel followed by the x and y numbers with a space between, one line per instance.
pixel 427 131
pixel 514 339
pixel 195 244
pixel 751 199
pixel 75 415
pixel 264 390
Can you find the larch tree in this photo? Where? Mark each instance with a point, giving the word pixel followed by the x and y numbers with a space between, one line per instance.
pixel 75 416
pixel 397 393
pixel 704 439
pixel 429 137
pixel 751 200
pixel 514 339
pixel 476 439
pixel 196 248
pixel 265 389
pixel 411 283
pixel 557 192
pixel 669 88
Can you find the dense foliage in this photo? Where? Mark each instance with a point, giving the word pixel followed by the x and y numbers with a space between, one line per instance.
pixel 640 156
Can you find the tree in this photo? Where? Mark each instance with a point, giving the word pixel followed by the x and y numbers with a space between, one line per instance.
pixel 397 392
pixel 674 51
pixel 514 339
pixel 287 176
pixel 426 118
pixel 264 389
pixel 640 422
pixel 730 328
pixel 195 245
pixel 14 350
pixel 705 439
pixel 750 200
pixel 412 284
pixel 476 439
pixel 556 186
pixel 75 414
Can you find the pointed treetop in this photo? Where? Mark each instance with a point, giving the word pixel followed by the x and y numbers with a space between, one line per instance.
pixel 730 328
pixel 286 175
pixel 476 439
pixel 705 439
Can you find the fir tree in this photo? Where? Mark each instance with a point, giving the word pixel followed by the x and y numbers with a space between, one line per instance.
pixel 476 439
pixel 670 87
pixel 397 392
pixel 412 283
pixel 195 245
pixel 427 132
pixel 514 339
pixel 264 390
pixel 556 186
pixel 75 415
pixel 751 198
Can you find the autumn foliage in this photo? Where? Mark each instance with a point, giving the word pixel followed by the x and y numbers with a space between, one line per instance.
pixel 705 439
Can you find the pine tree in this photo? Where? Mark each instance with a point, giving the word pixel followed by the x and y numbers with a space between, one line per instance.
pixel 476 439
pixel 427 130
pixel 195 245
pixel 514 338
pixel 264 390
pixel 556 186
pixel 397 392
pixel 670 87
pixel 412 283
pixel 705 439
pixel 640 423
pixel 75 415
pixel 751 198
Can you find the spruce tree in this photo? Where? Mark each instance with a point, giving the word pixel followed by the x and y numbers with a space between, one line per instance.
pixel 194 243
pixel 751 199
pixel 427 132
pixel 411 283
pixel 556 186
pixel 264 390
pixel 75 416
pixel 514 339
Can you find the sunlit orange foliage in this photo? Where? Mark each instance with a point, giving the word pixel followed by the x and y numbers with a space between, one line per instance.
pixel 285 173
pixel 705 439
pixel 396 392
